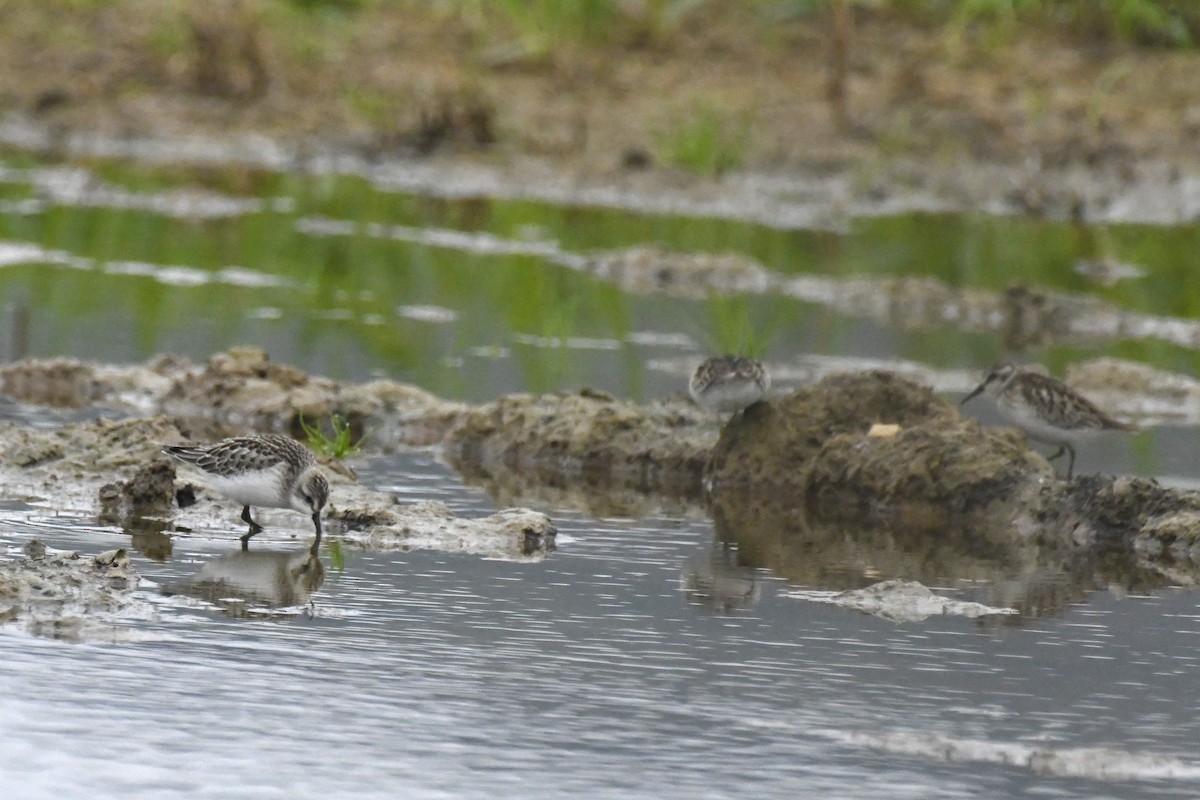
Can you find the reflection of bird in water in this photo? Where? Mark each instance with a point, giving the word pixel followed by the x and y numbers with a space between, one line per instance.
pixel 263 577
pixel 714 581
pixel 727 384
pixel 269 470
pixel 1047 409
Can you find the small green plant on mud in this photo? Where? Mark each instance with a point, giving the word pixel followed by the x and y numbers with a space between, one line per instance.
pixel 658 21
pixel 706 140
pixel 542 25
pixel 339 445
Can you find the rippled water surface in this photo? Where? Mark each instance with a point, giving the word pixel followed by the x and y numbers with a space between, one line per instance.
pixel 428 674
pixel 642 657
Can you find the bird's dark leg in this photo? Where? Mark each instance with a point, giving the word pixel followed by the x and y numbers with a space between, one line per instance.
pixel 1071 463
pixel 254 527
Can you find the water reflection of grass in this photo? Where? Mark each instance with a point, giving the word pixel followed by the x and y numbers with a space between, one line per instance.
pixel 741 327
pixel 337 307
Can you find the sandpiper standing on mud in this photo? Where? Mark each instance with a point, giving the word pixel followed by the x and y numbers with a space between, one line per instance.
pixel 1045 408
pixel 268 470
pixel 727 384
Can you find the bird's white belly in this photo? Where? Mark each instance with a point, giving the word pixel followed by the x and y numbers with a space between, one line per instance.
pixel 732 396
pixel 260 488
pixel 1037 428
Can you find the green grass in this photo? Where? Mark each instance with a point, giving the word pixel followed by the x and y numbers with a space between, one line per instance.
pixel 705 140
pixel 740 325
pixel 1170 23
pixel 339 444
pixel 540 26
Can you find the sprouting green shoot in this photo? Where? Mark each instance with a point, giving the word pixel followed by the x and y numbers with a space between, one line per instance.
pixel 337 556
pixel 339 445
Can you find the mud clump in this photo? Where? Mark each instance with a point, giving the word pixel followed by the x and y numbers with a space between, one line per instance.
pixel 150 492
pixel 880 476
pixel 87 447
pixel 243 387
pixel 817 441
pixel 63 595
pixel 60 382
pixel 588 438
pixel 1161 525
pixel 512 533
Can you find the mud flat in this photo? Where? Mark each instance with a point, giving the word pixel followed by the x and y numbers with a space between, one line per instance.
pixel 64 595
pixel 929 493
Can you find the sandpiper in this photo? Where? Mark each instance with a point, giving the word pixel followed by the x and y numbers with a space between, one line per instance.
pixel 269 470
pixel 1045 408
pixel 727 384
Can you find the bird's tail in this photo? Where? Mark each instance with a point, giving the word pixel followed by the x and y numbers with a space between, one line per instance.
pixel 185 453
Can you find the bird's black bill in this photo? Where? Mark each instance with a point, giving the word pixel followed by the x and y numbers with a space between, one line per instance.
pixel 973 394
pixel 317 523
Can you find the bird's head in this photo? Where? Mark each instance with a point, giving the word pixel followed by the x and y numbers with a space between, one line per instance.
pixel 995 382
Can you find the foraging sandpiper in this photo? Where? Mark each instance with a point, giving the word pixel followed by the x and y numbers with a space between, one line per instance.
pixel 268 470
pixel 1045 408
pixel 728 384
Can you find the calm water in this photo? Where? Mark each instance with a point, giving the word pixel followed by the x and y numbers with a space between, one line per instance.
pixel 594 672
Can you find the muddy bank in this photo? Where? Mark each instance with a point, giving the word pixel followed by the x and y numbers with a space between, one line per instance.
pixel 1021 316
pixel 787 475
pixel 583 440
pixel 808 196
pixel 114 470
pixel 63 595
pixel 723 113
pixel 514 534
pixel 936 497
pixel 237 389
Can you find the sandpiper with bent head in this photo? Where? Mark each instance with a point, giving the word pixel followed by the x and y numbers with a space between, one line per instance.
pixel 727 384
pixel 268 470
pixel 1047 409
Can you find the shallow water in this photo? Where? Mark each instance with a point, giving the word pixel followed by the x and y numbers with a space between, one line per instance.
pixel 427 674
pixel 637 659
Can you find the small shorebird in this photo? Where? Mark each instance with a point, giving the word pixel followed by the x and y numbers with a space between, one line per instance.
pixel 269 470
pixel 729 383
pixel 1045 408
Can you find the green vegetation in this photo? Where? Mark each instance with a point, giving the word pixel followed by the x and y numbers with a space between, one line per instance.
pixel 741 325
pixel 339 443
pixel 541 25
pixel 139 283
pixel 1152 22
pixel 705 140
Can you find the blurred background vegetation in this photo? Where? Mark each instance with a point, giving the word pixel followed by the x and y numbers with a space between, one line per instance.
pixel 691 88
pixel 702 86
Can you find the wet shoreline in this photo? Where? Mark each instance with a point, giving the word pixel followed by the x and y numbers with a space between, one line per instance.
pixel 1158 193
pixel 808 450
